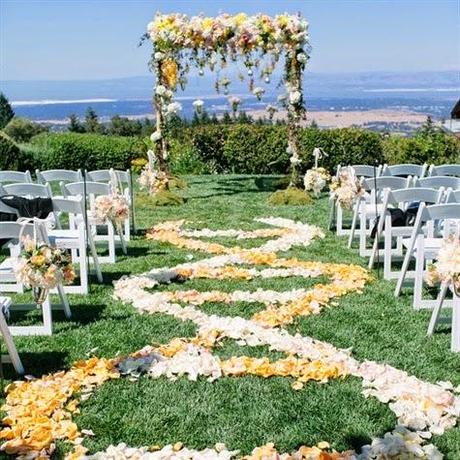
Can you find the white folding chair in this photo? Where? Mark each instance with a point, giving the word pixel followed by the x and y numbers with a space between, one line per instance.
pixel 13 356
pixel 439 181
pixel 445 170
pixel 405 170
pixel 92 190
pixel 369 207
pixel 74 238
pixel 15 231
pixel 401 199
pixel 337 212
pixel 432 224
pixel 121 181
pixel 15 176
pixel 58 175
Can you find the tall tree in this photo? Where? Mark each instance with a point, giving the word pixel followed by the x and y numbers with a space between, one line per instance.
pixel 92 124
pixel 75 126
pixel 6 111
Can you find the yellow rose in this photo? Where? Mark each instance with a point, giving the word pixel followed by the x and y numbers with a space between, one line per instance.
pixel 37 260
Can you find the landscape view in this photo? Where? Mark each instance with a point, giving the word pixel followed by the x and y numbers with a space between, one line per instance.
pixel 230 230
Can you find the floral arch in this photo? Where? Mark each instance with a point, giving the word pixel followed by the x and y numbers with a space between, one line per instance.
pixel 181 43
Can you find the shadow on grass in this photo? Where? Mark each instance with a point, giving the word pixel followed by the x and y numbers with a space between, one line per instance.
pixel 37 364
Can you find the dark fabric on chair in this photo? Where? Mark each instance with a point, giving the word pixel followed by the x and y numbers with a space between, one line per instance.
pixel 29 207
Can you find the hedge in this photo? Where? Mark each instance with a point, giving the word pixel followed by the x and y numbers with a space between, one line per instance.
pixel 90 151
pixel 239 148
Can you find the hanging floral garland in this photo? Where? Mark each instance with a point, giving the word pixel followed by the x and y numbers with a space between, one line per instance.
pixel 181 43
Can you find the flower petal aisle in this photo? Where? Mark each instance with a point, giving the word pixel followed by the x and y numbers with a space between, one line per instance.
pixel 39 412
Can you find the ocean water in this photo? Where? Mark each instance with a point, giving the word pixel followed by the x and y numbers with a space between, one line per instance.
pixel 59 110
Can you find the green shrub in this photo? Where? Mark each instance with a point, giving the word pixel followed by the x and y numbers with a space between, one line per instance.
pixel 208 141
pixel 9 152
pixel 292 196
pixel 22 130
pixel 32 157
pixel 184 159
pixel 434 147
pixel 90 151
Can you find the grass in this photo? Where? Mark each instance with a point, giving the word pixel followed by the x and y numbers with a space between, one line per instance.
pixel 249 411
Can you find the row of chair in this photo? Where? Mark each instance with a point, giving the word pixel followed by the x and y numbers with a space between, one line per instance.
pixel 434 203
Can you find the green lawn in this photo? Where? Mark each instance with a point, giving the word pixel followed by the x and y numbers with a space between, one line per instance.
pixel 249 411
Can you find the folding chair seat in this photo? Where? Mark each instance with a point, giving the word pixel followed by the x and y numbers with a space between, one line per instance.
pixel 15 231
pixel 370 206
pixel 122 182
pixel 337 212
pixel 432 224
pixel 391 234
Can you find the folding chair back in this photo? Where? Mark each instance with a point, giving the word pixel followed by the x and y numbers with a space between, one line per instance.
pixel 439 181
pixel 15 176
pixel 405 170
pixel 406 196
pixel 453 196
pixel 29 190
pixel 445 170
pixel 58 175
pixel 92 188
pixel 380 183
pixel 14 230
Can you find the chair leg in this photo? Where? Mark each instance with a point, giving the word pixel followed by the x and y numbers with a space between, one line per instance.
pixel 363 234
pixel 419 269
pixel 64 301
pixel 404 268
pixel 111 242
pixel 13 353
pixel 353 225
pixel 97 266
pixel 338 220
pixel 387 253
pixel 47 320
pixel 437 309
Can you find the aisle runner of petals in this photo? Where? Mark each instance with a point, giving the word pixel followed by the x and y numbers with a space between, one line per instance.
pixel 39 412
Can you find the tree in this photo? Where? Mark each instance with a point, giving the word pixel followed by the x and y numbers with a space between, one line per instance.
pixel 22 130
pixel 92 124
pixel 122 126
pixel 75 126
pixel 6 111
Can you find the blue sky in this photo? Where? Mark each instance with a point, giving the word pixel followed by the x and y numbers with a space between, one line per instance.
pixel 91 39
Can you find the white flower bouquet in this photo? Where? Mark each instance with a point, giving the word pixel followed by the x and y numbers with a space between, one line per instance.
pixel 346 188
pixel 153 180
pixel 446 269
pixel 111 207
pixel 315 180
pixel 43 266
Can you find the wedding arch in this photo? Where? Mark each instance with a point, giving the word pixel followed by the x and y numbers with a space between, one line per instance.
pixel 259 42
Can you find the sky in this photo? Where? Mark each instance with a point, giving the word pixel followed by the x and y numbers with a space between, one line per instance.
pixel 98 39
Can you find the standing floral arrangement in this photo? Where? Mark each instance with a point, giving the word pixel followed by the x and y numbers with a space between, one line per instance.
pixel 346 188
pixel 315 180
pixel 181 42
pixel 41 266
pixel 446 269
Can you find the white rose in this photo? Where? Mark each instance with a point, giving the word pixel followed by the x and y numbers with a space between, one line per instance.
pixel 295 97
pixel 174 107
pixel 302 58
pixel 198 104
pixel 159 56
pixel 160 90
pixel 155 136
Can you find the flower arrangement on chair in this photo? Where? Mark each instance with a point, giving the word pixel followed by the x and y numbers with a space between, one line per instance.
pixel 42 267
pixel 315 180
pixel 346 188
pixel 446 269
